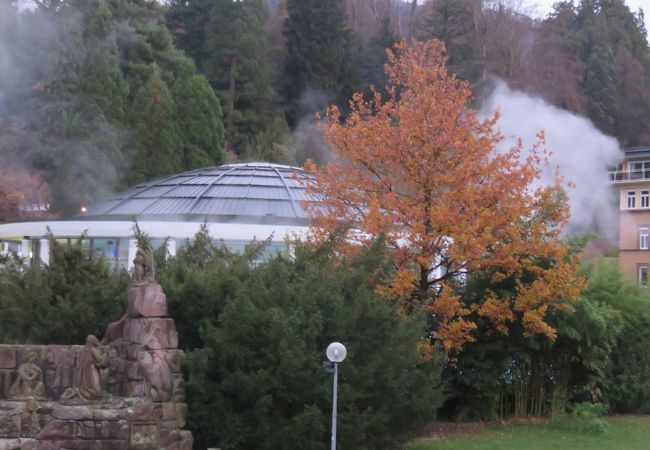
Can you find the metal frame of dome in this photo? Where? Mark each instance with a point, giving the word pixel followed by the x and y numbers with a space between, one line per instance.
pixel 262 193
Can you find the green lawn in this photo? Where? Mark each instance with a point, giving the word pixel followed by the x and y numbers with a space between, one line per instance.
pixel 623 433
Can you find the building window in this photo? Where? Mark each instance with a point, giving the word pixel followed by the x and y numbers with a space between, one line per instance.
pixel 645 199
pixel 640 170
pixel 643 238
pixel 631 199
pixel 643 276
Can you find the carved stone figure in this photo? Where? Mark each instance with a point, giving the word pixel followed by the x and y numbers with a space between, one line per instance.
pixel 29 381
pixel 157 373
pixel 143 266
pixel 22 421
pixel 116 372
pixel 87 382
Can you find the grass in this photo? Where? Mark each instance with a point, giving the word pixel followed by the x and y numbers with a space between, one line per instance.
pixel 623 433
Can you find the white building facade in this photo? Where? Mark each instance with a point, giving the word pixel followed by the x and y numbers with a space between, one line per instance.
pixel 239 203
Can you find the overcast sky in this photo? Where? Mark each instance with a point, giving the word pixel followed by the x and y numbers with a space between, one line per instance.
pixel 545 6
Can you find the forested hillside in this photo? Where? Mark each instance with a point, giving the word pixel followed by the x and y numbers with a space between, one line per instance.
pixel 99 94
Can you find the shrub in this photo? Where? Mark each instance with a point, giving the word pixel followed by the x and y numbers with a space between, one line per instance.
pixel 256 378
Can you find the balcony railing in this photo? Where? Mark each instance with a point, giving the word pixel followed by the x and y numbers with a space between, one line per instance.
pixel 622 176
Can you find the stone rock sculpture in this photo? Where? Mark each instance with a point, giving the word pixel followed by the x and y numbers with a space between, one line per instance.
pixel 143 266
pixel 157 374
pixel 29 380
pixel 20 421
pixel 87 384
pixel 126 392
pixel 147 300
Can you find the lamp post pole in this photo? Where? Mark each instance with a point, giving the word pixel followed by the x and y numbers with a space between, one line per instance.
pixel 336 353
pixel 334 396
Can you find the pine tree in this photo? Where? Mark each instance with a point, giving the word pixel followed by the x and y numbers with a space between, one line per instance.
pixel 257 333
pixel 320 67
pixel 375 57
pixel 606 50
pixel 236 50
pixel 82 107
pixel 198 114
pixel 600 88
pixel 87 65
pixel 230 46
pixel 188 23
pixel 454 23
pixel 156 142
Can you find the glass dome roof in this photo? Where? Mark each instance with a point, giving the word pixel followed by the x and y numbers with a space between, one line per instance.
pixel 243 193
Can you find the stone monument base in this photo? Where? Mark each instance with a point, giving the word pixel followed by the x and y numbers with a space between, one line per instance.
pixel 125 392
pixel 110 424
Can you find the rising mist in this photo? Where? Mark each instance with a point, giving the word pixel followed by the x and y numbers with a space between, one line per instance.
pixel 580 151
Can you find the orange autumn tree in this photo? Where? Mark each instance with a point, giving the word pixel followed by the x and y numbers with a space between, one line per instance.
pixel 420 169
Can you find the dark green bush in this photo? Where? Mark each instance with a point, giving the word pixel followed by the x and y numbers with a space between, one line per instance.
pixel 259 332
pixel 75 295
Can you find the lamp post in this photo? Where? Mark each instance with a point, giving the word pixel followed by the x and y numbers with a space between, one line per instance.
pixel 336 353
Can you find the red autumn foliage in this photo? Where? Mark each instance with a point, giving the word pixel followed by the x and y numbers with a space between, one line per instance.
pixel 23 195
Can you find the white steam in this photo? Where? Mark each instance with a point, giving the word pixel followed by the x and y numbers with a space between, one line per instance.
pixel 580 151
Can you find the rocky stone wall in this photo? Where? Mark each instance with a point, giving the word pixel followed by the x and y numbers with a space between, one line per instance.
pixel 125 392
pixel 57 361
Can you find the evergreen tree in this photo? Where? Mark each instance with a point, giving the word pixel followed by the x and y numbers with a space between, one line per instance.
pixel 321 67
pixel 258 334
pixel 61 303
pixel 372 70
pixel 156 143
pixel 198 114
pixel 82 112
pixel 188 23
pixel 82 108
pixel 236 49
pixel 230 45
pixel 454 23
pixel 600 88
pixel 606 49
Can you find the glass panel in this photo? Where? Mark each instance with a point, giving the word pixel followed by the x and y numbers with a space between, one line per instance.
pixel 35 252
pixel 270 250
pixel 11 246
pixel 643 238
pixel 62 242
pixel 157 243
pixel 123 253
pixel 643 276
pixel 105 247
pixel 631 199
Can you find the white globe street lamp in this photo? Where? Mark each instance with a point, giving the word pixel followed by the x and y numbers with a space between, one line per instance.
pixel 336 353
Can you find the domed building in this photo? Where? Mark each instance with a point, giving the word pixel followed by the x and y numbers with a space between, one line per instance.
pixel 238 202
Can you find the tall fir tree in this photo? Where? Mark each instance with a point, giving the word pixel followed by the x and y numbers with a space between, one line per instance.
pixel 600 88
pixel 236 49
pixel 607 47
pixel 198 115
pixel 321 66
pixel 156 141
pixel 375 57
pixel 82 107
pixel 87 66
pixel 229 43
pixel 455 23
pixel 188 23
